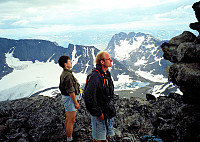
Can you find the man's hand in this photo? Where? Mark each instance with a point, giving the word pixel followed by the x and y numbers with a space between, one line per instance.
pixel 101 117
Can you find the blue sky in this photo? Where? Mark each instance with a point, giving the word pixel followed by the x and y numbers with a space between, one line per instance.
pixel 29 18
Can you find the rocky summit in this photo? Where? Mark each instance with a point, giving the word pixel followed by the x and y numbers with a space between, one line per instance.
pixel 41 118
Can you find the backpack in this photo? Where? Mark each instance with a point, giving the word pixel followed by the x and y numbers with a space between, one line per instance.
pixel 149 138
pixel 110 110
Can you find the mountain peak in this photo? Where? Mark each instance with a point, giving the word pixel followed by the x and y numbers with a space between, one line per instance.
pixel 138 51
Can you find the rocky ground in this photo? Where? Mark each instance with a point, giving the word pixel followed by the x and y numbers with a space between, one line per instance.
pixel 42 118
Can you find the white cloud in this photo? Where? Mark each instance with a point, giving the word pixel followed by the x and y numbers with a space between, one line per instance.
pixel 20 22
pixel 44 16
pixel 52 9
pixel 122 4
pixel 180 12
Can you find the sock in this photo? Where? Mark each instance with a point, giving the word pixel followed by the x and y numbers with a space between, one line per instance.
pixel 69 139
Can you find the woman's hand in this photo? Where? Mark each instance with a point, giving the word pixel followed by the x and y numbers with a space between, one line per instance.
pixel 77 105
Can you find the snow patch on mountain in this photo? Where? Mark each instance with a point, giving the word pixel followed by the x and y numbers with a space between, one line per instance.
pixel 93 56
pixel 159 90
pixel 141 61
pixel 14 62
pixel 123 50
pixel 20 90
pixel 74 58
pixel 27 77
pixel 125 82
pixel 152 77
pixel 50 57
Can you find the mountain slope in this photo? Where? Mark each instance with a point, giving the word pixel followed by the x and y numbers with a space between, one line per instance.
pixel 138 52
pixel 30 66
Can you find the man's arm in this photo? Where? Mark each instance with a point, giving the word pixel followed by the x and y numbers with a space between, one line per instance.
pixel 72 95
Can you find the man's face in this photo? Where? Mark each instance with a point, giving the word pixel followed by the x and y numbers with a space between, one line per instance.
pixel 68 65
pixel 107 61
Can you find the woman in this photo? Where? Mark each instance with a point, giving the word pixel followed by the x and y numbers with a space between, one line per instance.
pixel 69 87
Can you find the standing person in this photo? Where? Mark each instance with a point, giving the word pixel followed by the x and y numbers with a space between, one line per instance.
pixel 69 87
pixel 98 97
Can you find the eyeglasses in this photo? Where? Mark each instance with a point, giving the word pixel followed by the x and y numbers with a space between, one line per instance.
pixel 107 59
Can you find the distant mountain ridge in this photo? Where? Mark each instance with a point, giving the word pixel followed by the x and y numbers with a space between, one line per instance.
pixel 138 52
pixel 28 50
pixel 29 66
pixel 34 63
pixel 43 51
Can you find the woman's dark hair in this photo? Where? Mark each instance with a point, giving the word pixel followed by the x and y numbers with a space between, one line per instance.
pixel 63 59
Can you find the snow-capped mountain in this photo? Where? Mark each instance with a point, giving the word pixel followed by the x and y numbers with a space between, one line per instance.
pixel 141 53
pixel 99 39
pixel 29 67
pixel 46 51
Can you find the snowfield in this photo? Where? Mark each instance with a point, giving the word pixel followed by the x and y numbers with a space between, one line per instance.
pixel 29 78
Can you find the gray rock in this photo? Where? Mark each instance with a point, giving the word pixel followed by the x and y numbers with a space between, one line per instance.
pixel 186 36
pixel 184 74
pixel 169 52
pixel 188 52
pixel 196 8
pixel 34 119
pixel 195 26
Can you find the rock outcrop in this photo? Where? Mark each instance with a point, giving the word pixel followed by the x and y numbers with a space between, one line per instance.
pixel 184 52
pixel 32 119
pixel 196 25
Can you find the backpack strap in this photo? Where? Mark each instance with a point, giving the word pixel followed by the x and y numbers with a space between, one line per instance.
pixel 88 78
pixel 104 80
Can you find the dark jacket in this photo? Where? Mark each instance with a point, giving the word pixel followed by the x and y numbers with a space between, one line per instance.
pixel 97 97
pixel 68 83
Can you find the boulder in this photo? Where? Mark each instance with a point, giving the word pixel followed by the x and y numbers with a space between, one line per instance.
pixel 184 74
pixel 196 8
pixel 32 119
pixel 179 47
pixel 188 52
pixel 196 25
pixel 187 77
pixel 169 52
pixel 186 36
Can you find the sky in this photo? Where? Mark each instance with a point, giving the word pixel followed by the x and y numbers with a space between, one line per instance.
pixel 34 18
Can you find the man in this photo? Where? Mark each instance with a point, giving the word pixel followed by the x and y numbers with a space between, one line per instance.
pixel 69 87
pixel 98 96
